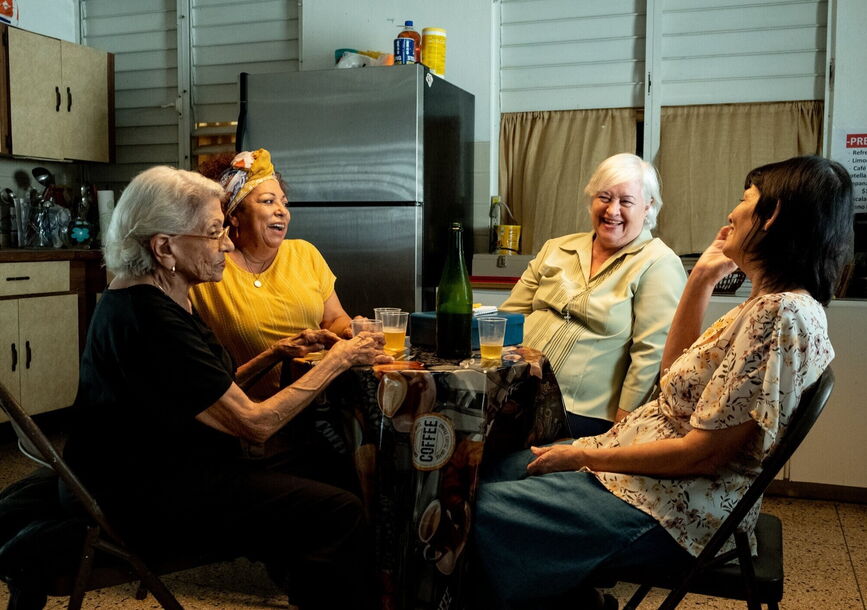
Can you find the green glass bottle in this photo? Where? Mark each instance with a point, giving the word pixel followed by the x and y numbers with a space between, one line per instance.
pixel 454 302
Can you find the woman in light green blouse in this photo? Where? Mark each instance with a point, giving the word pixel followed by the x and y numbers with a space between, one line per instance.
pixel 600 304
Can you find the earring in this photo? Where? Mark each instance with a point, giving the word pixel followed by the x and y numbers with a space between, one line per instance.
pixel 173 269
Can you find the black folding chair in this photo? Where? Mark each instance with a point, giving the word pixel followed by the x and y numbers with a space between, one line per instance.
pixel 756 580
pixel 100 535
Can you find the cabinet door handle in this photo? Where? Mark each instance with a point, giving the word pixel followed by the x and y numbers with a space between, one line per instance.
pixel 29 356
pixel 57 93
pixel 14 358
pixel 68 100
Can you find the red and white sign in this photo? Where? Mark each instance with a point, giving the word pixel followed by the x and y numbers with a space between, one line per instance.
pixel 856 140
pixel 850 148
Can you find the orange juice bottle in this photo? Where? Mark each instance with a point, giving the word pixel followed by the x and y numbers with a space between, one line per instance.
pixel 409 32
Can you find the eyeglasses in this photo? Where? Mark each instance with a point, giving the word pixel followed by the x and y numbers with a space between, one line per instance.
pixel 224 232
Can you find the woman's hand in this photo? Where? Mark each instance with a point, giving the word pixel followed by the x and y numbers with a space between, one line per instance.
pixel 686 327
pixel 713 265
pixel 366 348
pixel 555 458
pixel 347 332
pixel 305 342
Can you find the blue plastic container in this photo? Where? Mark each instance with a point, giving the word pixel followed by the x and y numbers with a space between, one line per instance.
pixel 423 328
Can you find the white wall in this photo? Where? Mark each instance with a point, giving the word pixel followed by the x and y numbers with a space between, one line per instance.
pixel 848 107
pixel 326 26
pixel 57 18
pixel 850 77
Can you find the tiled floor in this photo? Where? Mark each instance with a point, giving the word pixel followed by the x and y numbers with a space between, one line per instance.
pixel 825 562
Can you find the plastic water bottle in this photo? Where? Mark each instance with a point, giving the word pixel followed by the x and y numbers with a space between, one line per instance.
pixel 409 32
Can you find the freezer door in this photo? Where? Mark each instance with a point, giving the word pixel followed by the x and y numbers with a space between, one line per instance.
pixel 375 252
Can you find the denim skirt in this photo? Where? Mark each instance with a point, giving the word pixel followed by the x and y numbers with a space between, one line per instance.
pixel 538 537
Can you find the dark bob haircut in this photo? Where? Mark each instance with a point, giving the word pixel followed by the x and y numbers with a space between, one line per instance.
pixel 810 240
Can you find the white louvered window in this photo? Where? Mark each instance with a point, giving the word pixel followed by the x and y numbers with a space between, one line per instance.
pixel 143 36
pixel 267 42
pixel 563 54
pixel 176 89
pixel 737 51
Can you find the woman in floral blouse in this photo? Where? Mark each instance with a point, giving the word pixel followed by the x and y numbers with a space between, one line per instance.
pixel 658 484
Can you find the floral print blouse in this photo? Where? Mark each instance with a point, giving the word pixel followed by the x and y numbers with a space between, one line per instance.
pixel 753 363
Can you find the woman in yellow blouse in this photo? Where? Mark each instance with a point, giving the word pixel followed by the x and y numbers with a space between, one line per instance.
pixel 273 288
pixel 600 304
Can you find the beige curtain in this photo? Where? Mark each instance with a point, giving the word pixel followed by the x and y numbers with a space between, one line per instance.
pixel 546 158
pixel 706 152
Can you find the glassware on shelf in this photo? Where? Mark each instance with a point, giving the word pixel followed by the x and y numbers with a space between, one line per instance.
pixel 81 230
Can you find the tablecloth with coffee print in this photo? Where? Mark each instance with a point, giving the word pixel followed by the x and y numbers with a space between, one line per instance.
pixel 418 438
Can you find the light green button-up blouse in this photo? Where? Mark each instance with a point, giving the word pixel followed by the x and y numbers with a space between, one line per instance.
pixel 604 334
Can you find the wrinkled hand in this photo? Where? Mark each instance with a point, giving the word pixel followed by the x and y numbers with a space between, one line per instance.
pixel 555 458
pixel 305 342
pixel 366 348
pixel 347 332
pixel 713 265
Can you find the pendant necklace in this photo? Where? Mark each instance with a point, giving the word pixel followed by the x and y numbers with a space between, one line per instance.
pixel 256 281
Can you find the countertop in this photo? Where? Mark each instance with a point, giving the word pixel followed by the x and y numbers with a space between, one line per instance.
pixel 20 255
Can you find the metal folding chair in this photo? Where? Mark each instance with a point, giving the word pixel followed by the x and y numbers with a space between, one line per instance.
pixel 757 580
pixel 100 535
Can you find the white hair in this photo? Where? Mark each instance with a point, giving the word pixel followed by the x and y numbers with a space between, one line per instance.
pixel 626 167
pixel 158 200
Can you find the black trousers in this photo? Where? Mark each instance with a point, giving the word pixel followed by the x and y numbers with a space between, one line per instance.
pixel 311 534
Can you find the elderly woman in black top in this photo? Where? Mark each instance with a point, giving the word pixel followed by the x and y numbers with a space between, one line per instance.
pixel 158 409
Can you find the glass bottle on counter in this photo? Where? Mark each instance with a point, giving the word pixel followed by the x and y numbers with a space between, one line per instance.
pixel 80 229
pixel 454 315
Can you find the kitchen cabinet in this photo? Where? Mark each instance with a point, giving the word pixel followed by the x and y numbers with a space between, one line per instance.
pixel 39 334
pixel 60 98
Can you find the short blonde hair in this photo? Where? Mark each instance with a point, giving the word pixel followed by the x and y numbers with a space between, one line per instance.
pixel 625 167
pixel 159 200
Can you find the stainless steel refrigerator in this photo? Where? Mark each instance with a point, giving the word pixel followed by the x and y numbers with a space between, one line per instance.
pixel 378 162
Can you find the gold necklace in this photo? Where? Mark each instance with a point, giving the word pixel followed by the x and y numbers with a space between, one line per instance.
pixel 256 281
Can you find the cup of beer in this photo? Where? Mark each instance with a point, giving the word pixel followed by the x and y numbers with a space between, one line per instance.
pixel 394 329
pixel 492 331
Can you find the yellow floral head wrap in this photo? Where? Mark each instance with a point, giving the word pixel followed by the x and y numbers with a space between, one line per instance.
pixel 247 170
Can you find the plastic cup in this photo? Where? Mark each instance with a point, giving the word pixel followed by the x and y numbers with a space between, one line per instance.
pixel 377 311
pixel 394 328
pixel 365 325
pixel 492 331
